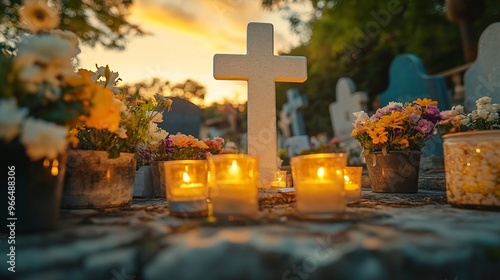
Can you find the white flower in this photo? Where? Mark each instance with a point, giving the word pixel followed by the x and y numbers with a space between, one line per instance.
pixel 47 48
pixel 457 110
pixel 492 117
pixel 394 105
pixel 361 118
pixel 43 139
pixel 159 135
pixel 157 117
pixel 121 132
pixel 68 36
pixel 483 101
pixel 36 15
pixel 153 127
pixel 10 119
pixel 483 114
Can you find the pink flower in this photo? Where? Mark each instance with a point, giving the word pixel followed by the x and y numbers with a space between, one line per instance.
pixel 424 126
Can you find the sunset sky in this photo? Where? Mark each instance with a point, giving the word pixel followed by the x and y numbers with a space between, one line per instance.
pixel 186 35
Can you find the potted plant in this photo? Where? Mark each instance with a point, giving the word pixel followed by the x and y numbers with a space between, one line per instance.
pixel 392 139
pixel 39 102
pixel 471 143
pixel 180 147
pixel 101 167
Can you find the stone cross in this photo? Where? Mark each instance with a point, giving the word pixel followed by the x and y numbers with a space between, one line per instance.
pixel 296 102
pixel 284 124
pixel 483 77
pixel 347 101
pixel 261 69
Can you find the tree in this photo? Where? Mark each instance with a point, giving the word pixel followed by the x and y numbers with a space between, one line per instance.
pixel 94 21
pixel 359 39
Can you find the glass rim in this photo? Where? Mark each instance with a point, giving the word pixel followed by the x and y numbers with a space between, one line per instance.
pixel 232 156
pixel 185 161
pixel 319 156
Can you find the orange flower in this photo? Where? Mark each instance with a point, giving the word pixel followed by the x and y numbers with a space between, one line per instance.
pixel 105 112
pixel 403 142
pixel 425 102
pixel 394 120
pixel 378 135
pixel 181 140
pixel 199 144
pixel 413 110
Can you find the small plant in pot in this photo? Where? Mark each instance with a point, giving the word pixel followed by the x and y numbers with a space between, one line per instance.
pixel 392 140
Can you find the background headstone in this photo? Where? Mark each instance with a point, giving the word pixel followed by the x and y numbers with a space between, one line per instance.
pixel 296 102
pixel 296 144
pixel 483 77
pixel 261 69
pixel 284 124
pixel 408 81
pixel 348 101
pixel 185 117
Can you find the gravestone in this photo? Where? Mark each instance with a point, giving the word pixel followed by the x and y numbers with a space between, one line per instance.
pixel 284 124
pixel 185 117
pixel 348 101
pixel 261 69
pixel 408 81
pixel 296 102
pixel 483 77
pixel 296 144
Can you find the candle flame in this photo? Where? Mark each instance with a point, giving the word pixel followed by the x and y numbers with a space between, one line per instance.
pixel 234 166
pixel 321 172
pixel 185 177
pixel 346 178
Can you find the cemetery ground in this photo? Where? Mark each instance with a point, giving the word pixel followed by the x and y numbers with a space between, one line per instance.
pixel 384 236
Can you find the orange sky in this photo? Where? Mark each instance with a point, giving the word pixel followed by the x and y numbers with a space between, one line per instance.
pixel 186 35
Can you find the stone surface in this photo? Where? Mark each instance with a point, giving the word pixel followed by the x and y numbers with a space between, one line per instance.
pixel 348 101
pixel 483 77
pixel 296 102
pixel 384 236
pixel 261 69
pixel 185 117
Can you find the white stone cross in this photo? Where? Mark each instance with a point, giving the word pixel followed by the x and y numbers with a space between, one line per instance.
pixel 261 69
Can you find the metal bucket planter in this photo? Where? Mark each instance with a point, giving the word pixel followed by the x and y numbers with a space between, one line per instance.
pixel 159 181
pixel 95 181
pixel 395 172
pixel 32 190
pixel 472 166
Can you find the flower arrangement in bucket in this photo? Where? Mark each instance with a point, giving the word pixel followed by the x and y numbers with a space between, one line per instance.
pixel 471 143
pixel 40 100
pixel 101 167
pixel 392 139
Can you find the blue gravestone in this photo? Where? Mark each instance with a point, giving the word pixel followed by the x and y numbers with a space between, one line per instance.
pixel 483 77
pixel 294 105
pixel 408 81
pixel 185 117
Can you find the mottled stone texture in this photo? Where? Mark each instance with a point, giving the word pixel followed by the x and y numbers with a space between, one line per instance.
pixel 404 236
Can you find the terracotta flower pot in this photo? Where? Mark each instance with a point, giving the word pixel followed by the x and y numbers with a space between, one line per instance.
pixel 95 181
pixel 395 172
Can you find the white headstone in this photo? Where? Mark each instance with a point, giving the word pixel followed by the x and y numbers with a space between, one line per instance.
pixel 284 123
pixel 348 101
pixel 296 102
pixel 296 144
pixel 483 77
pixel 261 69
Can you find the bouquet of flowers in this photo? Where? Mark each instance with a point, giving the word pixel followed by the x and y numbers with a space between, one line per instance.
pixel 41 95
pixel 182 147
pixel 129 122
pixel 396 126
pixel 485 117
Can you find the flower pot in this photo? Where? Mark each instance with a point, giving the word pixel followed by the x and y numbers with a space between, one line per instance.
pixel 143 182
pixel 158 179
pixel 472 166
pixel 35 194
pixel 395 172
pixel 95 181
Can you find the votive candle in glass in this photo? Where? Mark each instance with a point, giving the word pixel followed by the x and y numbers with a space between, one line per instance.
pixel 352 184
pixel 319 184
pixel 233 185
pixel 279 180
pixel 187 187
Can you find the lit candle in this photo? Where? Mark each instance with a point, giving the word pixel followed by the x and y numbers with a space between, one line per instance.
pixel 319 184
pixel 279 179
pixel 186 189
pixel 352 183
pixel 234 185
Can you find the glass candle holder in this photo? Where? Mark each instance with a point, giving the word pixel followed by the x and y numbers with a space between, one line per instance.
pixel 233 183
pixel 187 188
pixel 352 185
pixel 279 180
pixel 319 184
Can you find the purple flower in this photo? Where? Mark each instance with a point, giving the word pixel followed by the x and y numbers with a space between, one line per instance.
pixel 424 126
pixel 432 114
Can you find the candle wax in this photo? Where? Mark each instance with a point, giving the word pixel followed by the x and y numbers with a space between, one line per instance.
pixel 234 199
pixel 320 196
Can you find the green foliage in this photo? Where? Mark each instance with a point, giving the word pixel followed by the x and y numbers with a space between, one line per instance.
pixel 93 21
pixel 359 39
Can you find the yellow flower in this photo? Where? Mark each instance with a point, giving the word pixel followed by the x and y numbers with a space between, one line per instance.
pixel 403 142
pixel 199 144
pixel 394 120
pixel 105 112
pixel 36 15
pixel 180 140
pixel 378 135
pixel 354 132
pixel 425 102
